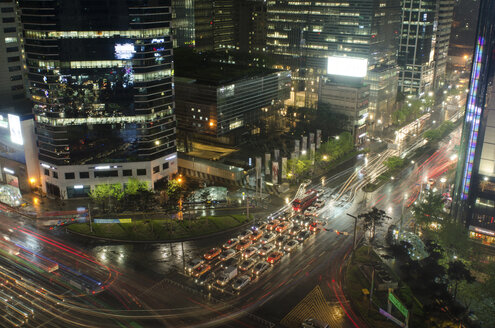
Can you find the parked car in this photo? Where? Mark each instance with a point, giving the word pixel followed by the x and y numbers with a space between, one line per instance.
pixel 206 279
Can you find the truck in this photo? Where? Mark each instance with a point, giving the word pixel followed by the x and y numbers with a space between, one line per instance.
pixel 227 275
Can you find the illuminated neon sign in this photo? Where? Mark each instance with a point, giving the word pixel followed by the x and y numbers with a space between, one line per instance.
pixel 473 115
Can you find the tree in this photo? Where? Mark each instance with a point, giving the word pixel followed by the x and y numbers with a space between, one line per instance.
pixel 394 162
pixel 107 196
pixel 372 219
pixel 453 236
pixel 458 272
pixel 428 211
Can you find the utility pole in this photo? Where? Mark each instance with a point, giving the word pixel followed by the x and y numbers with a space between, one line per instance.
pixel 355 230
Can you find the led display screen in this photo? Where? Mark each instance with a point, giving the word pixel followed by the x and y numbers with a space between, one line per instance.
pixel 347 66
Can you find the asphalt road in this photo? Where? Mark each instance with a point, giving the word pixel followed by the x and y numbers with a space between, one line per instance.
pixel 102 285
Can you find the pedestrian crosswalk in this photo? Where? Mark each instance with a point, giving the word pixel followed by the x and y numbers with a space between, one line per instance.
pixel 313 305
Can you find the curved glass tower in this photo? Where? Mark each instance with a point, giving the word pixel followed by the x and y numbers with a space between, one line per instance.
pixel 101 80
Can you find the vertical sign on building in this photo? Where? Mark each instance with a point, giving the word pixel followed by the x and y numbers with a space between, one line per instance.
pixel 258 174
pixel 284 168
pixel 296 149
pixel 267 164
pixel 275 172
pixel 304 148
pixel 318 139
pixel 276 154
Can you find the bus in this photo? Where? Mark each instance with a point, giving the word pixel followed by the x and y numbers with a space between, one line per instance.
pixel 300 204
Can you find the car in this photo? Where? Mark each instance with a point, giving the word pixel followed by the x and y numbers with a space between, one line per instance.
pixel 201 270
pixel 272 225
pixel 206 279
pixel 250 251
pixel 245 234
pixel 247 264
pixel 267 238
pixel 212 253
pixel 314 323
pixel 226 254
pixel 282 239
pixel 228 263
pixel 311 211
pixel 231 243
pixel 243 244
pixel 193 264
pixel 303 235
pixel 266 249
pixel 257 234
pixel 259 268
pixel 283 227
pixel 295 230
pixel 291 245
pixel 306 221
pixel 241 282
pixel 314 226
pixel 274 257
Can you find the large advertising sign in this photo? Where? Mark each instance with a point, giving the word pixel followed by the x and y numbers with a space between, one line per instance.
pixel 347 66
pixel 15 129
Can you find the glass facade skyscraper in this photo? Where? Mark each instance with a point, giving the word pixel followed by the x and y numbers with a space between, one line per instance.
pixel 303 35
pixel 101 79
pixel 474 194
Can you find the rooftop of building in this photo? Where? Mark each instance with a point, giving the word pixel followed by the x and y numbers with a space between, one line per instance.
pixel 206 69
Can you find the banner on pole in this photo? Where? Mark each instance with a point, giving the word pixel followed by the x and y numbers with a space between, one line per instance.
pixel 318 139
pixel 284 167
pixel 267 163
pixel 275 172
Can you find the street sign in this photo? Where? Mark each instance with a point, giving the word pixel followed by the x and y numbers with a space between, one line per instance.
pixel 392 318
pixel 398 304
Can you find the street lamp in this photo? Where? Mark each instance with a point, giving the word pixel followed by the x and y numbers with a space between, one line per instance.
pixel 325 157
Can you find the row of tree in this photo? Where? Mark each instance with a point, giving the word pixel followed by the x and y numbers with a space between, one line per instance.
pixel 134 195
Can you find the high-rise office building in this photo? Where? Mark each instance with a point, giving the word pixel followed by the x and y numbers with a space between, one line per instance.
pixel 251 32
pixel 463 31
pixel 474 192
pixel 101 80
pixel 12 77
pixel 215 25
pixel 183 23
pixel 302 36
pixel 417 46
pixel 445 16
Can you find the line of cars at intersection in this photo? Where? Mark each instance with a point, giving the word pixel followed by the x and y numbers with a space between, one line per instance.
pixel 243 259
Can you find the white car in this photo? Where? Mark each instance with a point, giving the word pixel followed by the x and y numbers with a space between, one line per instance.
pixel 291 245
pixel 266 249
pixel 245 234
pixel 231 243
pixel 267 238
pixel 226 254
pixel 193 264
pixel 241 282
pixel 250 251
